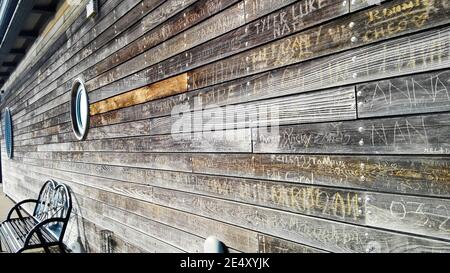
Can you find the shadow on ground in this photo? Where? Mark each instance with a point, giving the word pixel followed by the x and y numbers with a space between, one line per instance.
pixel 5 205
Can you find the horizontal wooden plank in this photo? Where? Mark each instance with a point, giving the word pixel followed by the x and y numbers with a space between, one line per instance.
pixel 169 235
pixel 417 94
pixel 256 8
pixel 75 65
pixel 426 134
pixel 269 244
pixel 360 4
pixel 150 241
pixel 334 236
pixel 427 176
pixel 154 91
pixel 232 236
pixel 244 37
pixel 330 203
pixel 425 216
pixel 84 44
pixel 355 159
pixel 94 241
pixel 316 232
pixel 225 21
pixel 354 30
pixel 77 29
pixel 197 12
pixel 46 119
pixel 338 204
pixel 225 141
pixel 334 104
pixel 429 53
pixel 410 175
pixel 62 127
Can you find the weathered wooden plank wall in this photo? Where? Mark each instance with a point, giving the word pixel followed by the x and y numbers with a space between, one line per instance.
pixel 353 156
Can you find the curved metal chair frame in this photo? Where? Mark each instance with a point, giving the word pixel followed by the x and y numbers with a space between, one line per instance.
pixel 45 227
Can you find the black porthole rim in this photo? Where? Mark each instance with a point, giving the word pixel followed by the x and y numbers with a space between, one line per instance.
pixel 9 146
pixel 73 99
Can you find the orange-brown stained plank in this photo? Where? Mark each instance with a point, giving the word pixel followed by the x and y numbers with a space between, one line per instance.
pixel 162 89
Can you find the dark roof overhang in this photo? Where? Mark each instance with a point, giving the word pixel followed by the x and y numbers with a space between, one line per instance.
pixel 21 21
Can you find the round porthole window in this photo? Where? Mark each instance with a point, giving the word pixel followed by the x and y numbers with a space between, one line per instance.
pixel 7 123
pixel 79 109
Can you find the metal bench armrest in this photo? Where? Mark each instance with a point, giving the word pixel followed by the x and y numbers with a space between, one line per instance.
pixel 19 207
pixel 37 229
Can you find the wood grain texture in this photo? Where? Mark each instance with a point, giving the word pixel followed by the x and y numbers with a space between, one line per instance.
pixel 233 236
pixel 77 41
pixel 417 94
pixel 420 52
pixel 242 38
pixel 344 205
pixel 418 175
pixel 333 104
pixel 255 9
pixel 361 4
pixel 229 19
pixel 154 91
pixel 426 134
pixel 192 15
pixel 98 48
pixel 277 126
pixel 406 175
pixel 354 30
pixel 236 140
pixel 293 226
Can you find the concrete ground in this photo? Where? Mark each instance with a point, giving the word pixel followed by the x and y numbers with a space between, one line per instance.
pixel 5 204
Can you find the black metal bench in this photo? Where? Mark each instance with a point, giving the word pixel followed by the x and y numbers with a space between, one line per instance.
pixel 45 228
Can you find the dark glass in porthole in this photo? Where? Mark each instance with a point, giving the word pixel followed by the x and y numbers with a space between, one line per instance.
pixel 7 124
pixel 79 110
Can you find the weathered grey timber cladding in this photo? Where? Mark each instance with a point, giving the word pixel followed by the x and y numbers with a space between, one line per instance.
pixel 359 162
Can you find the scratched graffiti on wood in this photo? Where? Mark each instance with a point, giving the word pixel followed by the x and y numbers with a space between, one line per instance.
pixel 426 134
pixel 407 95
pixel 359 89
